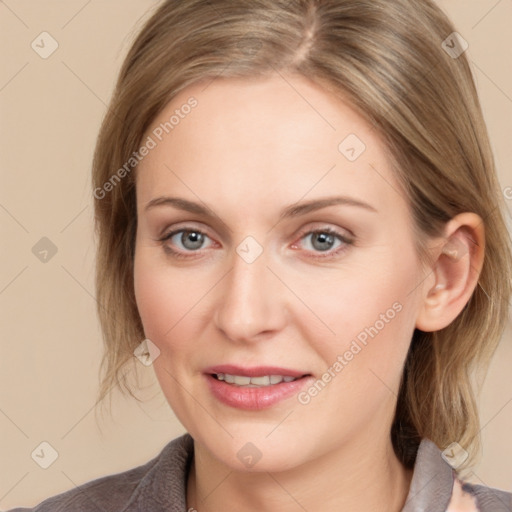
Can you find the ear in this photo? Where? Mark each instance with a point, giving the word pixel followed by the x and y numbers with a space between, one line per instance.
pixel 455 271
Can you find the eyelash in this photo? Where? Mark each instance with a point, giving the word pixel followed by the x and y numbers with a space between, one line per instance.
pixel 325 255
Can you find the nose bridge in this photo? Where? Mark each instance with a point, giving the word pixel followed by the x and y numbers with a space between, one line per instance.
pixel 250 300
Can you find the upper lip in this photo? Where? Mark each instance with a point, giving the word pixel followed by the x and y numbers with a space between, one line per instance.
pixel 254 371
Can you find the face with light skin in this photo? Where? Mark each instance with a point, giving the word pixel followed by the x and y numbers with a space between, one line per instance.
pixel 246 152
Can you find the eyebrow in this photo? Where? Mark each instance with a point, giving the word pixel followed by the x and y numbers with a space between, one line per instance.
pixel 294 210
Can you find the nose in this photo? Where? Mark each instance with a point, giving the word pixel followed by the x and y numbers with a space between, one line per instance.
pixel 252 301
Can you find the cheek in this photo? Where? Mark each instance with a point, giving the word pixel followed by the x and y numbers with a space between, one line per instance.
pixel 163 303
pixel 152 297
pixel 160 296
pixel 346 304
pixel 171 302
pixel 370 316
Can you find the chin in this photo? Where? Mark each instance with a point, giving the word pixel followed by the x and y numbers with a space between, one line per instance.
pixel 252 453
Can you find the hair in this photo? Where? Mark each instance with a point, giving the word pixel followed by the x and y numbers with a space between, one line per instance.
pixel 386 58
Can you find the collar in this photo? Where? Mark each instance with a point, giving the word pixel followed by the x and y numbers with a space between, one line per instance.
pixel 431 487
pixel 432 481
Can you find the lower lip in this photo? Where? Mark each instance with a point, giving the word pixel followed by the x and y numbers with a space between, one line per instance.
pixel 256 398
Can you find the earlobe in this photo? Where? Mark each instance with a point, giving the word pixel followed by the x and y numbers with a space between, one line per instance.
pixel 456 269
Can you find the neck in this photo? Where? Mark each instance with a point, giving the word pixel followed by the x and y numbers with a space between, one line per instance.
pixel 363 476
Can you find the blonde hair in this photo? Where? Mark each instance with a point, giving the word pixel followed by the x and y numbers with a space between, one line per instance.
pixel 386 58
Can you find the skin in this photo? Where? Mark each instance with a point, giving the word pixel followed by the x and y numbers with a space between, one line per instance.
pixel 249 149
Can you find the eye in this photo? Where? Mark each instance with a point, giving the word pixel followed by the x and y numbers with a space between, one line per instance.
pixel 323 240
pixel 191 241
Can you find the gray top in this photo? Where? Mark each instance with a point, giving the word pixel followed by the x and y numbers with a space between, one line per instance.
pixel 160 485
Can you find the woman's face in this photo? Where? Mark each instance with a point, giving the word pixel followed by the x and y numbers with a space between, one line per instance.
pixel 245 278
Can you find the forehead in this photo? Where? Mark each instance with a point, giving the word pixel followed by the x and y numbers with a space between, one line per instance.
pixel 284 136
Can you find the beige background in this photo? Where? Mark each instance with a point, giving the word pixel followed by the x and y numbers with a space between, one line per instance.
pixel 50 113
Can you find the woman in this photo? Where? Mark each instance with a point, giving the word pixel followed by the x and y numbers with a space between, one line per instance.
pixel 300 227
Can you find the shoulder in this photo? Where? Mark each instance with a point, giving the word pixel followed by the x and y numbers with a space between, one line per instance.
pixel 156 484
pixel 488 498
pixel 436 487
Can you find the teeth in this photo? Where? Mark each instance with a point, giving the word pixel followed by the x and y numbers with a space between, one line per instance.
pixel 259 381
pixel 242 380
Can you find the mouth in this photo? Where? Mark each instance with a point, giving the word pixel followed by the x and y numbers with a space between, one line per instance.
pixel 254 388
pixel 254 382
